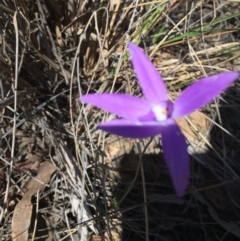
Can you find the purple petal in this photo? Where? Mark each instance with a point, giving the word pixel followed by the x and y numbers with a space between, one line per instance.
pixel 132 129
pixel 149 79
pixel 176 156
pixel 125 106
pixel 201 92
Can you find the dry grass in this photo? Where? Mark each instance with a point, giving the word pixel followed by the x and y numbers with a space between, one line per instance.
pixel 103 187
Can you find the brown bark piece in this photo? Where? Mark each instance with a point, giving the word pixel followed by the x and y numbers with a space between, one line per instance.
pixel 23 210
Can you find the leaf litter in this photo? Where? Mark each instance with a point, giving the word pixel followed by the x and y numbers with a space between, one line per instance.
pixel 23 211
pixel 83 43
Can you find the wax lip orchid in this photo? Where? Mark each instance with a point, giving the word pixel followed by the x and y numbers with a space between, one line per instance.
pixel 141 118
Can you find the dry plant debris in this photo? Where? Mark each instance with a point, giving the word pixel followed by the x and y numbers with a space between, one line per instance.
pixel 23 211
pixel 105 188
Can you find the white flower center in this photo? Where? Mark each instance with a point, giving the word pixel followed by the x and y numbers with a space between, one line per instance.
pixel 159 112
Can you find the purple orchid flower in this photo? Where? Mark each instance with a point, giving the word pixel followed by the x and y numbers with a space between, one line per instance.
pixel 155 114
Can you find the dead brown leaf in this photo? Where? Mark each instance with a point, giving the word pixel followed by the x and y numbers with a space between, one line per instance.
pixel 199 124
pixel 117 147
pixel 23 210
pixel 112 236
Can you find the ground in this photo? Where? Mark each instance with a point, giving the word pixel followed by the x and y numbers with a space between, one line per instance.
pixel 63 179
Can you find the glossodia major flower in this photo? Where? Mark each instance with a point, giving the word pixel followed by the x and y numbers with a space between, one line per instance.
pixel 155 114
